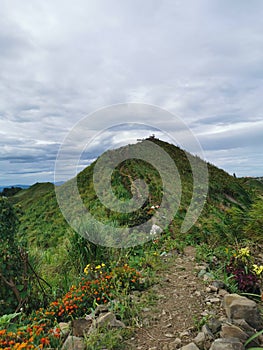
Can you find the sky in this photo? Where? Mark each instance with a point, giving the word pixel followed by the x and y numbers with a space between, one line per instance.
pixel 60 61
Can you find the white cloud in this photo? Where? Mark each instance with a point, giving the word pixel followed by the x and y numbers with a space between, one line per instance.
pixel 60 61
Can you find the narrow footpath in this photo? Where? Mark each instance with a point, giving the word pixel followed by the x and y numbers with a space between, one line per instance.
pixel 183 300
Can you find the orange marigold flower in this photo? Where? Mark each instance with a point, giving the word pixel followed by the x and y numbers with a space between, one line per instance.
pixel 22 346
pixel 44 341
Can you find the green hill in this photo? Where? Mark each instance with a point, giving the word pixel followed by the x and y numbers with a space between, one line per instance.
pixel 51 240
pixel 252 184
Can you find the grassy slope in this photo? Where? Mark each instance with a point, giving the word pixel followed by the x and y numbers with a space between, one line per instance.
pixel 42 215
pixel 253 185
pixel 47 232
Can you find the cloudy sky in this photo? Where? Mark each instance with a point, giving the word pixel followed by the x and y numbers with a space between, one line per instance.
pixel 200 60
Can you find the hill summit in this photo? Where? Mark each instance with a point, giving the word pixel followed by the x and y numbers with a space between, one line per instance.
pixel 42 216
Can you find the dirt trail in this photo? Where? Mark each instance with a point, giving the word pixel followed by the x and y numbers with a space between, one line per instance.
pixel 181 300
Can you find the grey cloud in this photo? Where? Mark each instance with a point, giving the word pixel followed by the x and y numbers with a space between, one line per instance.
pixel 250 136
pixel 59 62
pixel 227 119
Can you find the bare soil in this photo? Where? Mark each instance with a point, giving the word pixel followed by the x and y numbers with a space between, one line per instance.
pixel 181 300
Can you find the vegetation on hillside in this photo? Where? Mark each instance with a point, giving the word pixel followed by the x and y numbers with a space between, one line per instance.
pixel 52 240
pixel 46 259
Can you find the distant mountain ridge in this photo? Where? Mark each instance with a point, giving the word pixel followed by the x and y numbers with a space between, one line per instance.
pixel 17 185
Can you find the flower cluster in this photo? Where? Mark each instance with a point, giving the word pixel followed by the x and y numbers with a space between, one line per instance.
pixel 80 299
pixel 126 276
pixel 36 336
pixel 247 274
pixel 40 331
pixel 94 270
pixel 243 254
pixel 258 269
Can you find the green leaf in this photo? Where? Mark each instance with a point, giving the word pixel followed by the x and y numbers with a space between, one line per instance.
pixel 5 319
pixel 20 287
pixel 252 338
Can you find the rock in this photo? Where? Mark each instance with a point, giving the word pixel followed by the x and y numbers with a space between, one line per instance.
pixel 101 309
pixel 243 325
pixel 184 334
pixel 155 230
pixel 74 343
pixel 81 327
pixel 197 293
pixel 208 334
pixel 232 331
pixel 201 273
pixel 199 340
pixel 170 335
pixel 209 337
pixel 176 343
pixel 106 320
pixel 214 288
pixel 214 300
pixel 64 327
pixel 190 346
pixel 218 284
pixel 222 292
pixel 238 307
pixel 227 344
pixel 208 276
pixel 214 325
pixel 205 313
pixel 169 325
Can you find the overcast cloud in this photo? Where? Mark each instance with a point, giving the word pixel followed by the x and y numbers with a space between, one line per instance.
pixel 60 60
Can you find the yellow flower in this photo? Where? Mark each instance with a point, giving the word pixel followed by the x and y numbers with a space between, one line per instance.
pixel 98 267
pixel 258 269
pixel 243 252
pixel 86 270
pixel 103 265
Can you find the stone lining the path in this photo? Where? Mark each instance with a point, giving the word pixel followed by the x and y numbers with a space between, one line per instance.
pixel 243 321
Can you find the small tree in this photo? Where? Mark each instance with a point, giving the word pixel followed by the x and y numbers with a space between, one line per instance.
pixel 13 261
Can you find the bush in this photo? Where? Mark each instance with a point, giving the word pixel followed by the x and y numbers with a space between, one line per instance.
pixel 13 261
